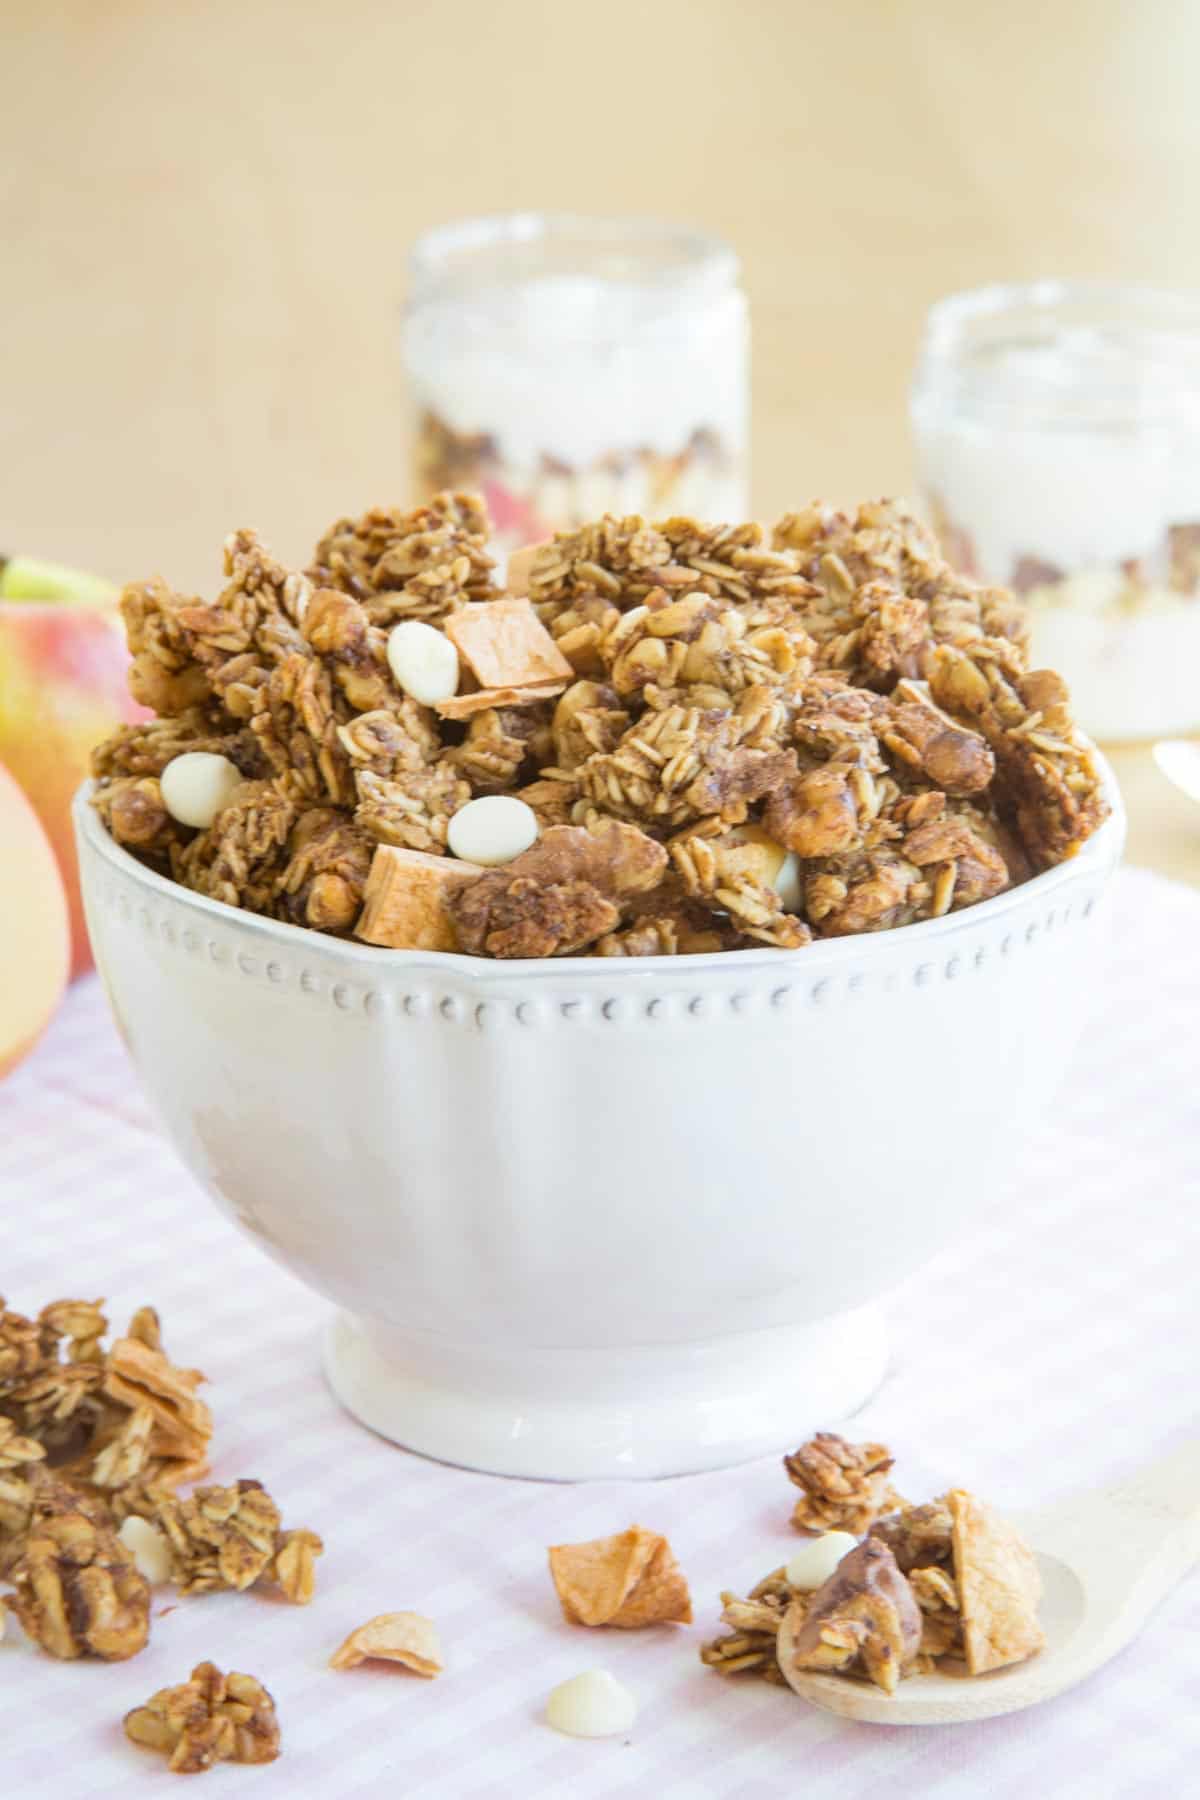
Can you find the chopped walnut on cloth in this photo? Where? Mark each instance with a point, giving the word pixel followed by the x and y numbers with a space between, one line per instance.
pixel 208 1719
pixel 832 692
pixel 77 1590
pixel 629 1580
pixel 843 1486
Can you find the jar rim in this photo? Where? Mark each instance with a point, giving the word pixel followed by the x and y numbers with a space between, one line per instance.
pixel 672 262
pixel 1119 352
pixel 1163 306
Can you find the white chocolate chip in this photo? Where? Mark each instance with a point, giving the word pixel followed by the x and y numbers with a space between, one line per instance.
pixel 593 1704
pixel 492 829
pixel 815 1561
pixel 787 883
pixel 198 785
pixel 423 660
pixel 149 1549
pixel 780 868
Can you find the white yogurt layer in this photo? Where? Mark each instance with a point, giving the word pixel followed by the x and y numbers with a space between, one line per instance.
pixel 1132 675
pixel 576 367
pixel 1072 499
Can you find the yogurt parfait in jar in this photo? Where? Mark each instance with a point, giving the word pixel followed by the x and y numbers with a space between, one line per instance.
pixel 1057 430
pixel 565 367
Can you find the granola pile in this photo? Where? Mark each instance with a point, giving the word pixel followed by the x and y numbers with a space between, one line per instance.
pixel 95 1444
pixel 724 737
pixel 945 1586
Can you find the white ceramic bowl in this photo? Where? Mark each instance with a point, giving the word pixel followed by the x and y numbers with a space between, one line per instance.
pixel 599 1217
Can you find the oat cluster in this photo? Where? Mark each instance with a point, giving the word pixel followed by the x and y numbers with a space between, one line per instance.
pixel 832 691
pixel 208 1719
pixel 93 1435
pixel 120 1424
pixel 947 1585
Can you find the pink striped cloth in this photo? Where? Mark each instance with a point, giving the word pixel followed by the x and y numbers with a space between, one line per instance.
pixel 1058 1347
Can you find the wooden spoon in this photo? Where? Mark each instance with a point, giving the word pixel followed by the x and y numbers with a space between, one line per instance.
pixel 1106 1559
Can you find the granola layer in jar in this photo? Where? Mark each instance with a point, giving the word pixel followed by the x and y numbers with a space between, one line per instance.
pixel 1058 436
pixel 709 737
pixel 643 325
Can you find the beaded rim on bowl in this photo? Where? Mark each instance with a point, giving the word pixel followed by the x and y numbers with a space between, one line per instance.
pixel 822 957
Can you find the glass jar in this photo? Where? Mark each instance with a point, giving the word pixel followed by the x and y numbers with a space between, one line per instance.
pixel 1057 429
pixel 565 367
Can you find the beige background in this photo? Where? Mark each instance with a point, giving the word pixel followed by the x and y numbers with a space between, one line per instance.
pixel 204 210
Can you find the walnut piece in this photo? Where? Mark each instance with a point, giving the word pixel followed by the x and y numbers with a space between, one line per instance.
pixel 562 893
pixel 629 1580
pixel 844 1487
pixel 78 1592
pixel 208 1719
pixel 400 1637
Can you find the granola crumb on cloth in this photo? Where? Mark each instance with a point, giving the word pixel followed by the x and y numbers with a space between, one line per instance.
pixel 843 1486
pixel 834 687
pixel 233 1537
pixel 629 1580
pixel 208 1719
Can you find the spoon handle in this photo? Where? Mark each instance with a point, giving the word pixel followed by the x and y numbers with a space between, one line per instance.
pixel 1131 1543
pixel 1167 1489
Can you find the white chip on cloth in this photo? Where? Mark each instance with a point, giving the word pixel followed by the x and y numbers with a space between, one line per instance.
pixel 492 830
pixel 815 1561
pixel 593 1704
pixel 197 785
pixel 423 660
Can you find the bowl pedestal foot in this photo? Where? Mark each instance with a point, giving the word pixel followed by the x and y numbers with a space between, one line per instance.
pixel 580 1414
